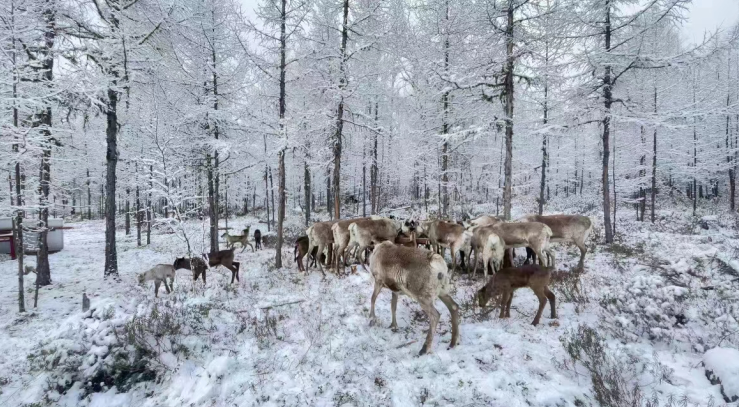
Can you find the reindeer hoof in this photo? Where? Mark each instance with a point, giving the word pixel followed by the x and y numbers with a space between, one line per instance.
pixel 424 350
pixel 394 327
pixel 372 322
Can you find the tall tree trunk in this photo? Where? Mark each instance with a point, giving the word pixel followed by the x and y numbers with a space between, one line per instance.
pixel 373 168
pixel 695 157
pixel 732 180
pixel 445 123
pixel 212 208
pixel 340 113
pixel 281 155
pixel 138 214
pixel 607 101
pixel 18 224
pixel 111 254
pixel 641 205
pixel 148 205
pixel 266 193
pixel 328 193
pixel 654 160
pixel 272 192
pixel 508 102
pixel 544 156
pixel 308 193
pixel 89 197
pixel 43 271
pixel 128 212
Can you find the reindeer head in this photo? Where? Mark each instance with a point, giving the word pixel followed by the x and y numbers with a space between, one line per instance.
pixel 141 278
pixel 488 292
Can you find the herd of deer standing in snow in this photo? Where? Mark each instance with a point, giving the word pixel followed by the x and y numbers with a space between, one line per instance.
pixel 407 257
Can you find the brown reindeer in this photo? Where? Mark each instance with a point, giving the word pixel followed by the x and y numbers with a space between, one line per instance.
pixel 301 250
pixel 506 281
pixel 418 273
pixel 196 264
pixel 224 258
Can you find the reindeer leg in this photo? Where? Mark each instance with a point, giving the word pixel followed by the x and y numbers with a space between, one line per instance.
pixel 311 247
pixel 320 266
pixel 375 293
pixel 583 251
pixel 157 283
pixel 551 298
pixel 542 303
pixel 433 315
pixel 454 311
pixel 204 282
pixel 393 307
pixel 508 304
pixel 453 249
pixel 503 303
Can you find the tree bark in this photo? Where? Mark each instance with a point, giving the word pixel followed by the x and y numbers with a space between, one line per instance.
pixel 340 113
pixel 128 212
pixel 654 160
pixel 18 224
pixel 281 155
pixel 46 57
pixel 373 166
pixel 508 105
pixel 308 193
pixel 608 101
pixel 445 123
pixel 111 254
pixel 544 156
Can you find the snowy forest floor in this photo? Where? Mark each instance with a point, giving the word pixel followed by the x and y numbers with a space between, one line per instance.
pixel 217 345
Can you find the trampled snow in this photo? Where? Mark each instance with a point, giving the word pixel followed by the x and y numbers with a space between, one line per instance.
pixel 280 337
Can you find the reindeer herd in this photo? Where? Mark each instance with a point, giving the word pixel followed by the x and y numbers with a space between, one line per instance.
pixel 407 257
pixel 399 263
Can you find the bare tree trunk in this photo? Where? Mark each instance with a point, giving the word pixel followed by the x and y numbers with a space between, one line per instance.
pixel 266 193
pixel 608 101
pixel 272 192
pixel 212 208
pixel 18 223
pixel 544 156
pixel 508 102
pixel 328 193
pixel 654 160
pixel 89 197
pixel 148 205
pixel 373 168
pixel 281 155
pixel 308 193
pixel 695 157
pixel 128 212
pixel 111 254
pixel 340 113
pixel 43 272
pixel 732 180
pixel 138 213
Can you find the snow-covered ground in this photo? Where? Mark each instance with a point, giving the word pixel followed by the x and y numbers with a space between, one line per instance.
pixel 219 345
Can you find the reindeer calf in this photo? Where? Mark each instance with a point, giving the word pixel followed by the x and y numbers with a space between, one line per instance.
pixel 159 273
pixel 418 273
pixel 258 239
pixel 507 280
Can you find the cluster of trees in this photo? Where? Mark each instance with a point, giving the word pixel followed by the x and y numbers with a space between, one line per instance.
pixel 168 109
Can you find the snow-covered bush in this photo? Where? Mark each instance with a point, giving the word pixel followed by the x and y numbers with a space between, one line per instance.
pixel 106 347
pixel 617 375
